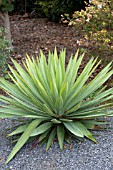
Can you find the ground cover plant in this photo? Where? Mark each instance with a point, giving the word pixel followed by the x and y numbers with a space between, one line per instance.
pixel 57 101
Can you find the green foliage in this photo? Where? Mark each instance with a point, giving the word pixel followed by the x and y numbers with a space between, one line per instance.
pixel 96 25
pixel 55 8
pixel 6 5
pixel 56 99
pixel 4 52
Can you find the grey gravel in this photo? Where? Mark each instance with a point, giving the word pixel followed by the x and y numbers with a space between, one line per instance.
pixel 82 156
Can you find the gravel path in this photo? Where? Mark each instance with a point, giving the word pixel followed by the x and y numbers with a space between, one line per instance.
pixel 82 156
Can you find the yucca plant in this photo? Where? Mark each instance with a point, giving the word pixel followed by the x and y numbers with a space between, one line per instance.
pixel 56 99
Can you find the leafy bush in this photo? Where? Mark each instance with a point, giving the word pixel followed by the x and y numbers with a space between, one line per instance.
pixel 6 5
pixel 53 9
pixel 4 53
pixel 96 25
pixel 48 8
pixel 55 99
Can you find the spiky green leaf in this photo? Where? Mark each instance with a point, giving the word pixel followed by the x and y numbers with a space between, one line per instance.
pixel 71 126
pixel 25 136
pixel 51 138
pixel 60 135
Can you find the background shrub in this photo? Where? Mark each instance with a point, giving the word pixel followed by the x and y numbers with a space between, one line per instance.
pixel 53 9
pixel 95 25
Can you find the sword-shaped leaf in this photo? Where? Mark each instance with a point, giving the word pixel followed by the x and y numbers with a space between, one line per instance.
pixel 42 128
pixel 86 132
pixel 25 136
pixel 20 129
pixel 51 138
pixel 71 126
pixel 60 135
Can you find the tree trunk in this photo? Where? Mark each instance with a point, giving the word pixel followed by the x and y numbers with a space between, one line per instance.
pixel 6 20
